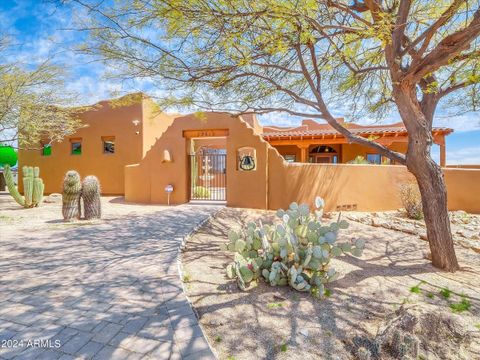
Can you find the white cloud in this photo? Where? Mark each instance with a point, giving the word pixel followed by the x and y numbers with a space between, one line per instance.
pixel 464 156
pixel 460 123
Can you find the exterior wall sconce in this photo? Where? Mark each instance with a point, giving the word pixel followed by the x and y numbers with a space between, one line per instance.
pixel 136 122
pixel 166 156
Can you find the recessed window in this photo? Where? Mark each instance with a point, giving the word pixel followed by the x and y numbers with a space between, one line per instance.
pixel 289 158
pixel 76 146
pixel 374 158
pixel 108 144
pixel 46 149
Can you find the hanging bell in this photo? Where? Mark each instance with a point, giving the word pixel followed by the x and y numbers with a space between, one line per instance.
pixel 247 163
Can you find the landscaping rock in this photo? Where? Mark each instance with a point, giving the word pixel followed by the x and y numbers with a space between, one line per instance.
pixel 422 332
pixel 465 227
pixel 53 198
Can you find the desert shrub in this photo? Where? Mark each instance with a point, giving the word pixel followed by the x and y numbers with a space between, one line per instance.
pixel 411 200
pixel 201 192
pixel 359 160
pixel 295 251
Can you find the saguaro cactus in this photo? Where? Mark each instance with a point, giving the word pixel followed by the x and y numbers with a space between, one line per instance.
pixel 28 185
pixel 38 187
pixel 32 184
pixel 72 189
pixel 12 189
pixel 91 198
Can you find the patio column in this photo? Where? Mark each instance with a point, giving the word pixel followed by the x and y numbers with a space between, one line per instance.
pixel 303 153
pixel 443 155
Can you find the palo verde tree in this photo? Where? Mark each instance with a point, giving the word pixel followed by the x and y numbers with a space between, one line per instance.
pixel 305 58
pixel 34 104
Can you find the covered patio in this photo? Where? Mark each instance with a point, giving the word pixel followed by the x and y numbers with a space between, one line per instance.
pixel 313 142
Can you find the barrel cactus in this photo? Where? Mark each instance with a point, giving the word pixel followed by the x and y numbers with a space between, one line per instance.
pixel 91 198
pixel 72 189
pixel 295 251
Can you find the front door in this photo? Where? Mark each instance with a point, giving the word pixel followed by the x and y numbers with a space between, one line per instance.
pixel 322 159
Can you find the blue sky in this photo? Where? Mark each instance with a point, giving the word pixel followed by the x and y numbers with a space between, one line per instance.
pixel 42 30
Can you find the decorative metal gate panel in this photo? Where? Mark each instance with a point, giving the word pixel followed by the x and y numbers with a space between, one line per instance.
pixel 208 176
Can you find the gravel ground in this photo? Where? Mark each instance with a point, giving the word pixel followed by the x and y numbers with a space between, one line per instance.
pixel 278 323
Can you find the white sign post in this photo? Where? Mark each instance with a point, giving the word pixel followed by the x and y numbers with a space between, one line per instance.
pixel 168 190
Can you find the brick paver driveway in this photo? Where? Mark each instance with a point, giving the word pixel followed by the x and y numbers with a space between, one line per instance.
pixel 109 290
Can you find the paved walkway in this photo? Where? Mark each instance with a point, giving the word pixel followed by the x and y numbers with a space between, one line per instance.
pixel 104 291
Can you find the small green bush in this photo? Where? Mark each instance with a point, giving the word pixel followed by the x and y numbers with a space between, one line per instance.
pixel 201 192
pixel 463 305
pixel 359 160
pixel 445 292
pixel 415 289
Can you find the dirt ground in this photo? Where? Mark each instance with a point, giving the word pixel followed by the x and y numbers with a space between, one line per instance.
pixel 279 323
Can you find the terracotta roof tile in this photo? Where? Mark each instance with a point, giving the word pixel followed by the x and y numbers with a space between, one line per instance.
pixel 325 129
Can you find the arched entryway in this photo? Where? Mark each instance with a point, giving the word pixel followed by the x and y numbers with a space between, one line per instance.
pixel 208 169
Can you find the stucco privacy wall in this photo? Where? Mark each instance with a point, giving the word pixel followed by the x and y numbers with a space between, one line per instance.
pixel 463 189
pixel 361 187
pixel 146 181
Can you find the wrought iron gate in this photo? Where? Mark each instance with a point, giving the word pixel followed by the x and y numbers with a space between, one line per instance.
pixel 208 176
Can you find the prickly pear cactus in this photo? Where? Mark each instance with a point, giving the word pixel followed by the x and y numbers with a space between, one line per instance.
pixel 91 198
pixel 72 189
pixel 295 251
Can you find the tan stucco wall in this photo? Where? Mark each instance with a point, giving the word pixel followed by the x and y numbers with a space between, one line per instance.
pixel 351 151
pixel 247 189
pixel 109 168
pixel 463 189
pixel 361 187
pixel 464 166
pixel 154 124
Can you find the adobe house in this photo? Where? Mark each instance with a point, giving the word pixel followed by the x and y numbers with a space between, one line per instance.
pixel 153 157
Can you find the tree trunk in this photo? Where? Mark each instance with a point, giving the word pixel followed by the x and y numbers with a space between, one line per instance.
pixel 431 182
pixel 429 176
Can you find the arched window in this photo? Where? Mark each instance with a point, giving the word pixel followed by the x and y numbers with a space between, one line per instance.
pixel 323 149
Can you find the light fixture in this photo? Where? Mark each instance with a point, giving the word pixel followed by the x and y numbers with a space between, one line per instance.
pixel 135 122
pixel 166 156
